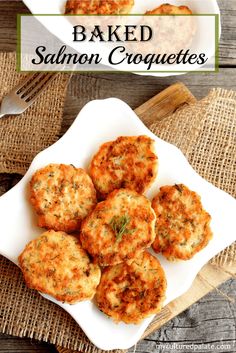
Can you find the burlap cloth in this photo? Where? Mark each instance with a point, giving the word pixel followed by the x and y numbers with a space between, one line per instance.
pixel 205 132
pixel 22 137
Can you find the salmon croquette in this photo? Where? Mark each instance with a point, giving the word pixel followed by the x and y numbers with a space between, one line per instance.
pixel 167 9
pixel 98 7
pixel 119 228
pixel 131 292
pixel 182 225
pixel 62 196
pixel 128 162
pixel 56 264
pixel 174 33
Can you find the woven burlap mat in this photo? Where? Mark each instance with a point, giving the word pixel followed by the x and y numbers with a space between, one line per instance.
pixel 39 125
pixel 206 133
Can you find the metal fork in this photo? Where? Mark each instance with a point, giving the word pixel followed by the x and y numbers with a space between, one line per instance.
pixel 24 94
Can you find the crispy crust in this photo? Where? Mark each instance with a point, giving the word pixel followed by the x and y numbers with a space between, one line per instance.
pixel 167 9
pixel 100 7
pixel 128 162
pixel 182 225
pixel 56 264
pixel 62 196
pixel 99 237
pixel 132 292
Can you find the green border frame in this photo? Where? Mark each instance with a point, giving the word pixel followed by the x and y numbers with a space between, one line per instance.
pixel 217 41
pixel 18 43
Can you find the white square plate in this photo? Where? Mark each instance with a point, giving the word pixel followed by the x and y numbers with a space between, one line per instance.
pixel 98 122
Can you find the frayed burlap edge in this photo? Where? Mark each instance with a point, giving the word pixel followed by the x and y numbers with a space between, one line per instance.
pixel 23 136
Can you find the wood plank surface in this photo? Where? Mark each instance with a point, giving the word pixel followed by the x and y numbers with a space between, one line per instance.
pixel 228 37
pixel 210 321
pixel 24 345
pixel 213 318
pixel 136 90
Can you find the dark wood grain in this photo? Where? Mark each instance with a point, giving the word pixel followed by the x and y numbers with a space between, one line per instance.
pixel 210 321
pixel 228 37
pixel 213 318
pixel 134 89
pixel 11 344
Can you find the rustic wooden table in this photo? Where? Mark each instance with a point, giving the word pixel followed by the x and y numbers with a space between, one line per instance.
pixel 212 320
